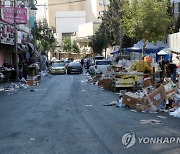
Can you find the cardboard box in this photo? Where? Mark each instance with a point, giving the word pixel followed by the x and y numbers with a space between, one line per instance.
pixel 31 82
pixel 158 95
pixel 107 84
pixel 143 104
pixel 148 82
pixel 100 82
pixel 130 99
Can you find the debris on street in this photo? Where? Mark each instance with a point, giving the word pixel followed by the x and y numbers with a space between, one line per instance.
pixel 176 113
pixel 150 121
pixel 140 91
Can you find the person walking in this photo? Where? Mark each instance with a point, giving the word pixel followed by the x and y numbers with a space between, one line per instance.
pixel 172 69
pixel 162 67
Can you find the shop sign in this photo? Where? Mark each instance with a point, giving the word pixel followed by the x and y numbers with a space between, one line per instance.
pixel 7 15
pixel 6 34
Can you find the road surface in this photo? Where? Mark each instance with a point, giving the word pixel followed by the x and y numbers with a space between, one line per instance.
pixel 65 115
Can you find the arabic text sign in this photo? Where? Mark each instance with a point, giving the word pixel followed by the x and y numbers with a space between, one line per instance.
pixel 8 15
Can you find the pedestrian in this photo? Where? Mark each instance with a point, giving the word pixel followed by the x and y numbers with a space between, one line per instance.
pixel 172 69
pixel 88 64
pixel 162 67
pixel 5 64
pixel 25 70
pixel 167 71
pixel 82 62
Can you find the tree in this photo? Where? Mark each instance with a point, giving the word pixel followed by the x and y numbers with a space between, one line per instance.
pixel 75 47
pixel 99 41
pixel 44 36
pixel 111 20
pixel 146 19
pixel 66 44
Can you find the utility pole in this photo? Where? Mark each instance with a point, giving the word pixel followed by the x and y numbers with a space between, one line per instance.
pixel 104 19
pixel 15 42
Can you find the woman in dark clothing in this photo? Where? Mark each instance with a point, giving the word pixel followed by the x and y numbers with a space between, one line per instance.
pixel 172 69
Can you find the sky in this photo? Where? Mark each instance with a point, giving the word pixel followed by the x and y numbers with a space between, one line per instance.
pixel 41 12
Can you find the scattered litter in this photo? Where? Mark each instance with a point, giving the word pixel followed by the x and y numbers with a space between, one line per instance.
pixel 176 113
pixel 1 89
pixel 32 139
pixel 23 80
pixel 88 105
pixel 32 90
pixel 111 104
pixel 150 121
pixel 162 117
pixel 44 73
pixel 83 81
pixel 155 122
pixel 83 90
pixel 8 89
pixel 117 103
pixel 133 110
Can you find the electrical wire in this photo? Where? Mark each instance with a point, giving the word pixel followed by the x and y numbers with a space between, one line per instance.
pixel 76 1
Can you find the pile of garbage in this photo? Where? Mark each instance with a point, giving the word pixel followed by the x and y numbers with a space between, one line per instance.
pixel 10 88
pixel 148 97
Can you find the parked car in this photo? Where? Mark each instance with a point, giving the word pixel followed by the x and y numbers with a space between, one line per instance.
pixel 67 62
pixel 74 67
pixel 102 66
pixel 58 68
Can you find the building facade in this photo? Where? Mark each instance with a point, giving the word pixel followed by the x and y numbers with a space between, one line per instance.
pixel 176 8
pixel 7 31
pixel 61 14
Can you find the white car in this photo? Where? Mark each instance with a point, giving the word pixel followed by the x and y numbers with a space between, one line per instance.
pixel 102 66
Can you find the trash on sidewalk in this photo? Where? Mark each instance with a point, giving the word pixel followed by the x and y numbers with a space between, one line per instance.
pixel 176 113
pixel 150 121
pixel 162 117
pixel 32 90
pixel 88 105
pixel 117 103
pixel 139 91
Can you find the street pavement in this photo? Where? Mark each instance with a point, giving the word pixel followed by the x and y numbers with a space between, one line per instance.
pixel 65 114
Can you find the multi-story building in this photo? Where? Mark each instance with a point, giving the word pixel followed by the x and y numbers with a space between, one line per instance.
pixel 24 21
pixel 69 16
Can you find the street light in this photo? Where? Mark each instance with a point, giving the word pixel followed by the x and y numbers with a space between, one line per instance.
pixel 15 34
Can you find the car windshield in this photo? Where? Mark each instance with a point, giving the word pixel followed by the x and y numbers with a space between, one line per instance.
pixel 58 64
pixel 74 64
pixel 102 62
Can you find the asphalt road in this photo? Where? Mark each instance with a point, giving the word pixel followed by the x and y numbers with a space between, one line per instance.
pixel 65 115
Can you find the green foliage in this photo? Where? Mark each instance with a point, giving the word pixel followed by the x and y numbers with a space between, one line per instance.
pixel 75 47
pixel 111 20
pixel 99 41
pixel 66 44
pixel 44 37
pixel 146 19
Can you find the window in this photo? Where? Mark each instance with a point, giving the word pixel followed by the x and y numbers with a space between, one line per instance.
pixel 179 7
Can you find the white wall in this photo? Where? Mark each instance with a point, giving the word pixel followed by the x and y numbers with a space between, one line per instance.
pixel 68 21
pixel 174 41
pixel 85 29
